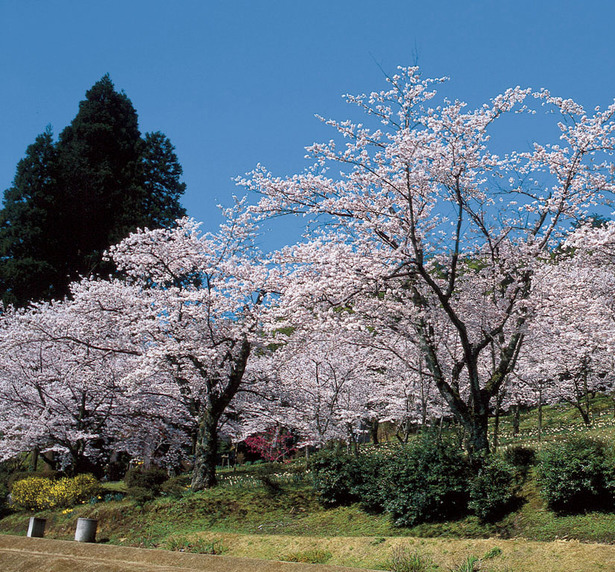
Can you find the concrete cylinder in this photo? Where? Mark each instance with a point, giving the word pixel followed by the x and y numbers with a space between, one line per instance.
pixel 86 530
pixel 36 527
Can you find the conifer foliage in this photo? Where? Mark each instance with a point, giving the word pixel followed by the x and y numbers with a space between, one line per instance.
pixel 71 199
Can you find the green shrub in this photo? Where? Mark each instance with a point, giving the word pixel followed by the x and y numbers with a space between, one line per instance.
pixel 335 477
pixel 426 480
pixel 367 488
pixel 609 470
pixel 573 475
pixel 342 478
pixel 492 489
pixel 143 484
pixel 4 493
pixel 150 477
pixel 141 495
pixel 520 457
pixel 176 486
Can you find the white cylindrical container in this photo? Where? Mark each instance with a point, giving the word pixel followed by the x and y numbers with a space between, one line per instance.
pixel 36 527
pixel 86 530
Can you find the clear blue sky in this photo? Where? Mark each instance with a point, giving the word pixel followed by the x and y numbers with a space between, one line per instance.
pixel 237 82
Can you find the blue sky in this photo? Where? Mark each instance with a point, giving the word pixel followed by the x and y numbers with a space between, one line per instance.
pixel 234 83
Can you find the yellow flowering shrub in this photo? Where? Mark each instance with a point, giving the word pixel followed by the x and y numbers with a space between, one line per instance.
pixel 40 493
pixel 32 493
pixel 69 492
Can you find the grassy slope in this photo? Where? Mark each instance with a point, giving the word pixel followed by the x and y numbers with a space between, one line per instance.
pixel 291 525
pixel 254 521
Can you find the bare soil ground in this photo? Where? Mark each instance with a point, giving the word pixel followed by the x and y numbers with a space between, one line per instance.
pixel 22 554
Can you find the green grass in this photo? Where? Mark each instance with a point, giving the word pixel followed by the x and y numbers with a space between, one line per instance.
pixel 252 521
pixel 559 421
pixel 115 487
pixel 247 506
pixel 295 511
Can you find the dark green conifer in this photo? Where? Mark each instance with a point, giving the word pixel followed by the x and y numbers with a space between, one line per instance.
pixel 72 199
pixel 29 248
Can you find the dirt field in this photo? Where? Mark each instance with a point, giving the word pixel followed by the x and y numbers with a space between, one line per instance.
pixel 21 554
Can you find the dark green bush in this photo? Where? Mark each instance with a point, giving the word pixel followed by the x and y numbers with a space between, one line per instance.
pixel 141 495
pixel 150 477
pixel 573 475
pixel 145 484
pixel 176 486
pixel 335 477
pixel 609 471
pixel 426 480
pixel 520 457
pixel 493 489
pixel 4 493
pixel 342 478
pixel 371 471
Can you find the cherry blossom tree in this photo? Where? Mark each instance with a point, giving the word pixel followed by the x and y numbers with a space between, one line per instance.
pixel 409 398
pixel 61 370
pixel 428 232
pixel 144 364
pixel 574 321
pixel 328 383
pixel 322 387
pixel 207 298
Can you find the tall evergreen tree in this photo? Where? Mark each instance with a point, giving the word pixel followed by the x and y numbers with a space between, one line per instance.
pixel 101 177
pixel 162 185
pixel 71 200
pixel 28 241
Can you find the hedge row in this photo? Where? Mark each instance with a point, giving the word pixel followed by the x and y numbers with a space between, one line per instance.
pixel 431 479
pixel 427 480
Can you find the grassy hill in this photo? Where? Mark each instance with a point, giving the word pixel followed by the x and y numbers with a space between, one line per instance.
pixel 278 517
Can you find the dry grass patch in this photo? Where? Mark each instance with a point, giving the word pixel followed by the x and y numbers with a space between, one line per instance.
pixel 496 555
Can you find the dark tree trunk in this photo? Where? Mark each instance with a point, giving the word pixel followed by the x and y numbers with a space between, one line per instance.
pixel 477 438
pixel 474 421
pixel 496 422
pixel 34 463
pixel 373 429
pixel 206 453
pixel 584 411
pixel 540 415
pixel 516 420
pixel 50 459
pixel 212 409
